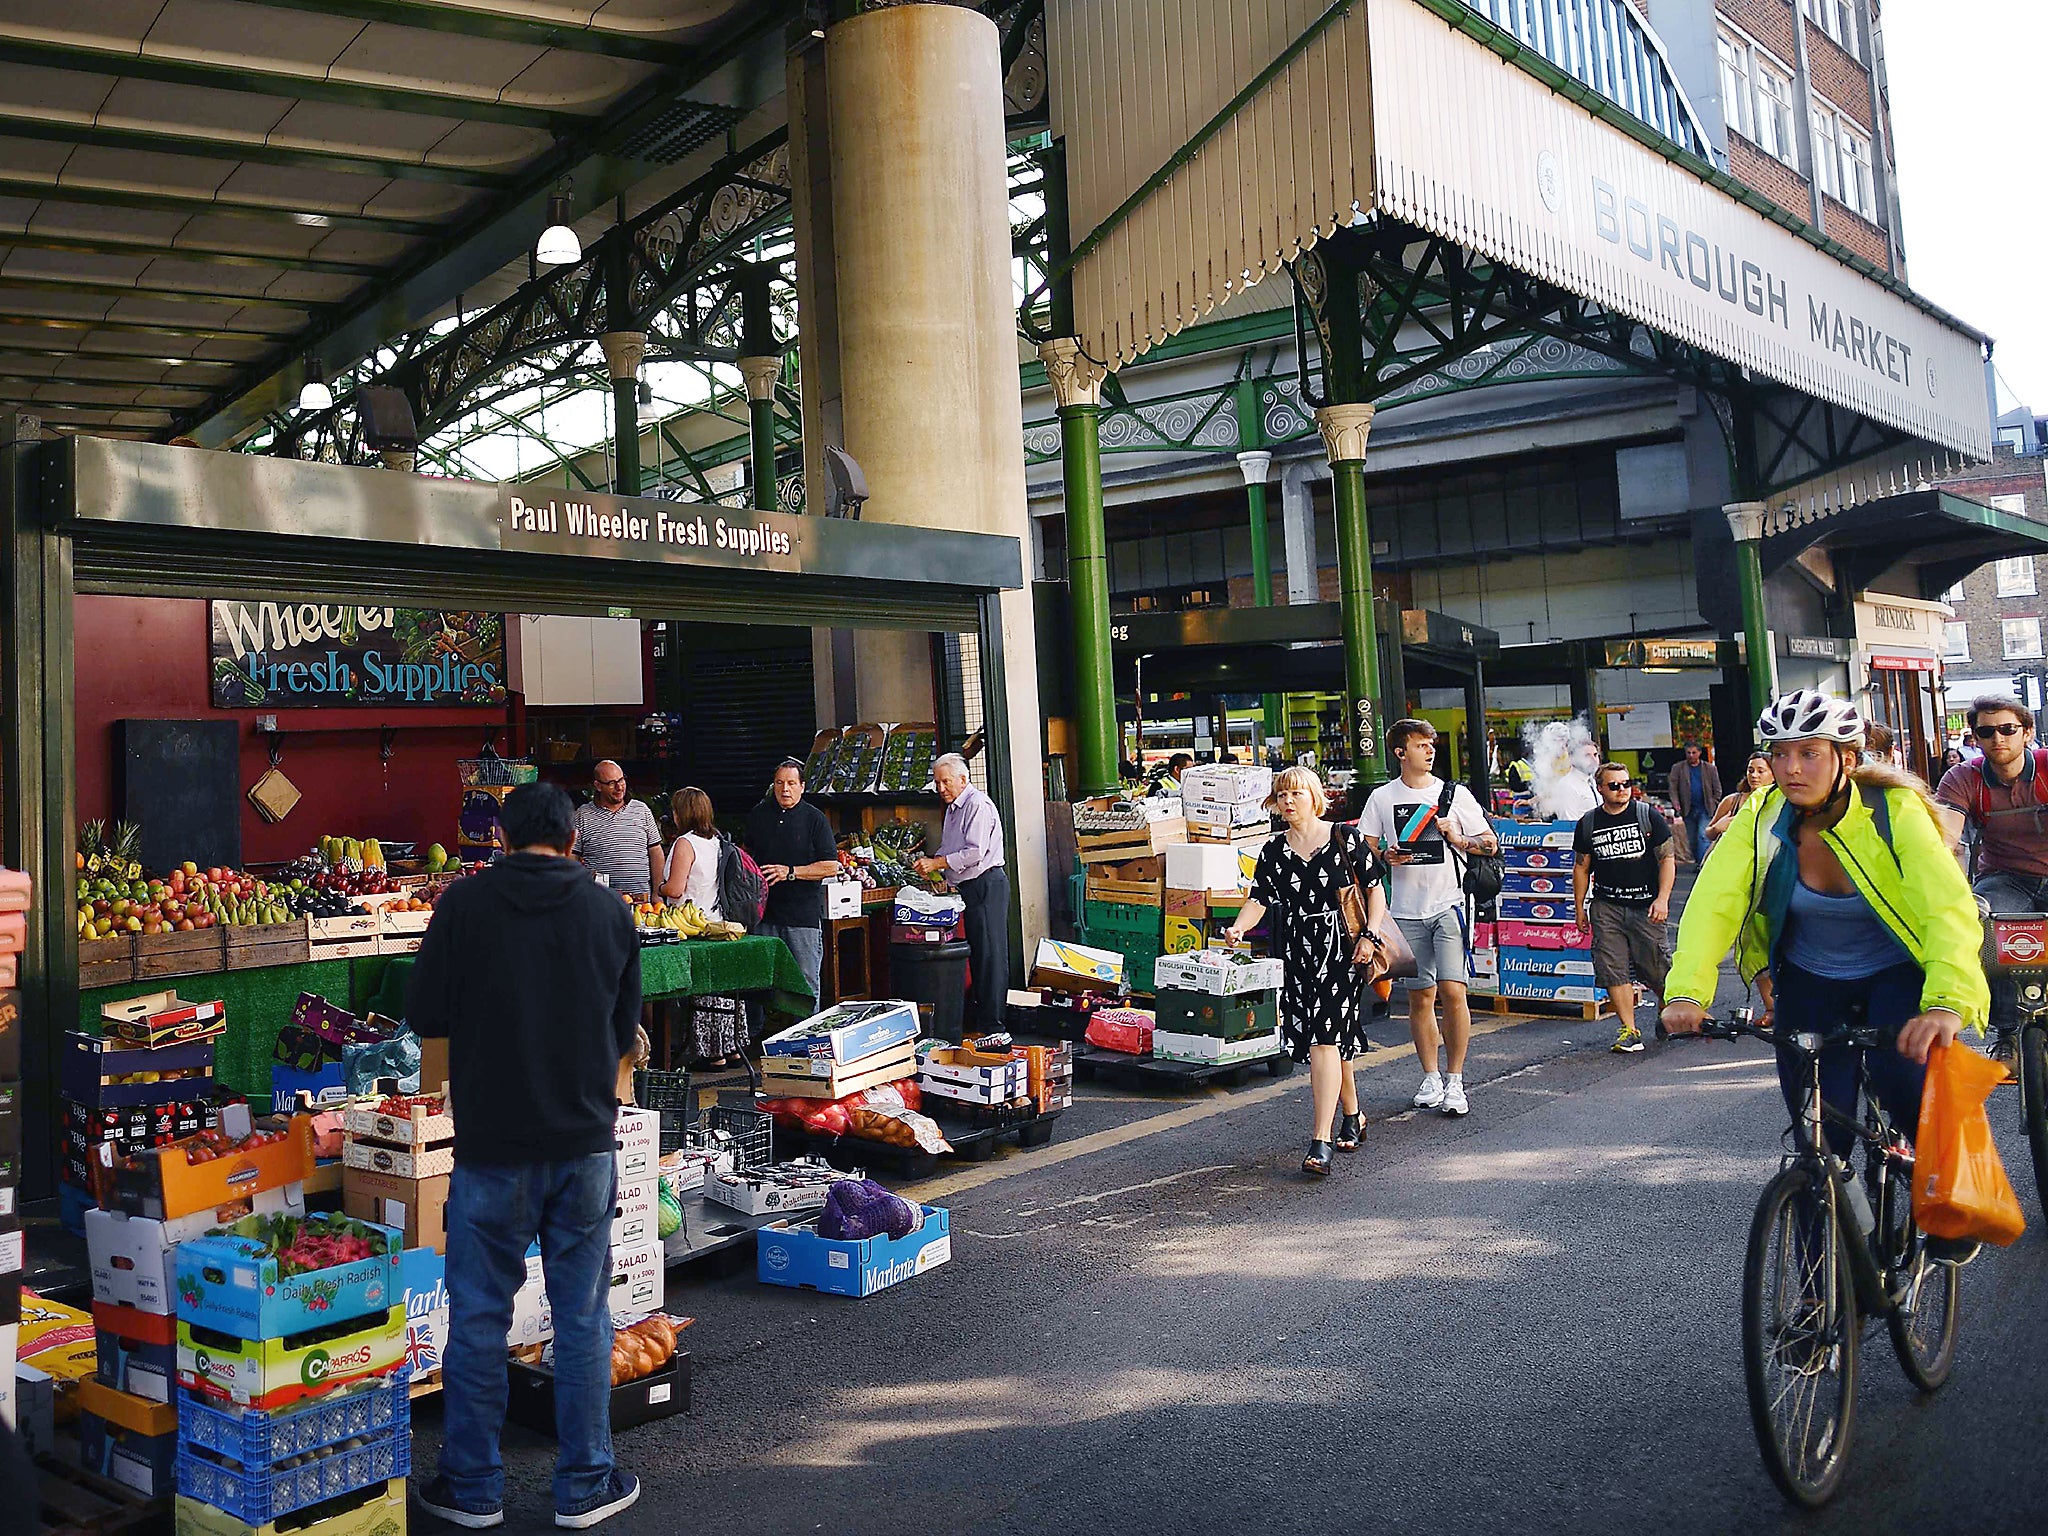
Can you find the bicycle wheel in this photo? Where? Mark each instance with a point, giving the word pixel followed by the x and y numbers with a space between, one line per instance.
pixel 1799 1336
pixel 2034 1102
pixel 1923 1325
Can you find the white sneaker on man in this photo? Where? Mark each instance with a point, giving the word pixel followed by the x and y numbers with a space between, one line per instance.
pixel 1453 1102
pixel 1431 1093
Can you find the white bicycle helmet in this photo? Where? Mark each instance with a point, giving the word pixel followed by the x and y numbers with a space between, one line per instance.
pixel 1807 713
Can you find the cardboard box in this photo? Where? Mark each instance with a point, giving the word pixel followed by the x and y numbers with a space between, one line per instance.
pixel 1168 1046
pixel 375 1157
pixel 1067 967
pixel 350 925
pixel 163 1018
pixel 1521 963
pixel 277 1373
pixel 1539 860
pixel 127 1439
pixel 1184 903
pixel 325 1087
pixel 135 1352
pixel 962 1067
pixel 1535 909
pixel 93 1063
pixel 1185 935
pixel 1009 1086
pixel 776 1070
pixel 228 1282
pixel 1483 963
pixel 636 1214
pixel 1223 972
pixel 28 1399
pixel 422 1127
pixel 1557 989
pixel 9 1338
pixel 1225 822
pixel 1225 784
pixel 842 898
pixel 792 1254
pixel 1207 867
pixel 402 924
pixel 1525 935
pixel 1529 882
pixel 378 1510
pixel 639 1280
pixel 1535 834
pixel 847 1033
pixel 1235 1017
pixel 784 1188
pixel 357 947
pixel 637 1140
pixel 130 1256
pixel 11 1030
pixel 161 1183
pixel 400 943
pixel 424 1274
pixel 416 1208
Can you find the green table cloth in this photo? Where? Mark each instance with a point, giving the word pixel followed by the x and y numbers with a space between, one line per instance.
pixel 694 968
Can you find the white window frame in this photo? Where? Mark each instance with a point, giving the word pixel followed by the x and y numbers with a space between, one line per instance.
pixel 2012 502
pixel 1955 595
pixel 1859 190
pixel 2016 577
pixel 1955 641
pixel 1837 18
pixel 1774 119
pixel 1827 165
pixel 2028 632
pixel 1738 104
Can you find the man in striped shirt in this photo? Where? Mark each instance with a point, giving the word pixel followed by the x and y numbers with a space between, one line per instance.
pixel 617 837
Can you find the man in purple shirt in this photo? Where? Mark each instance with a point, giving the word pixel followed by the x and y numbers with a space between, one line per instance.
pixel 970 856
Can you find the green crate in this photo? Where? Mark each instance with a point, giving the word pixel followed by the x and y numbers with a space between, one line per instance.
pixel 1228 1018
pixel 1123 917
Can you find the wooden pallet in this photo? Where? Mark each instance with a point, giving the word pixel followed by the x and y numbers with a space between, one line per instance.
pixel 1555 1008
pixel 425 1384
pixel 1137 843
pixel 74 1502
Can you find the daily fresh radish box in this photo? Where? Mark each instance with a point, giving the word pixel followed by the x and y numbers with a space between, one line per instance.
pixel 268 1276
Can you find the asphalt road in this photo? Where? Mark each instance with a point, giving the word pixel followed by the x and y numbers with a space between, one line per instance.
pixel 1521 1321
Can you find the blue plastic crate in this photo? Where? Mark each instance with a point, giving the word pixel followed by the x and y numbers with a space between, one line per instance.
pixel 259 1495
pixel 258 1439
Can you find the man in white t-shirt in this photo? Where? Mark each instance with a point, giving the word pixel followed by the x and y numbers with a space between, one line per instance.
pixel 1405 819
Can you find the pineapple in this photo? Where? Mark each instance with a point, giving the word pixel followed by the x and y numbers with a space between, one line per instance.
pixel 127 848
pixel 91 840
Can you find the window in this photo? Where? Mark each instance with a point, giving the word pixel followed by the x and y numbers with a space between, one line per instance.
pixel 1736 103
pixel 1955 641
pixel 1827 169
pixel 1954 595
pixel 1858 190
pixel 2014 502
pixel 2016 576
pixel 1837 18
pixel 1774 112
pixel 2022 639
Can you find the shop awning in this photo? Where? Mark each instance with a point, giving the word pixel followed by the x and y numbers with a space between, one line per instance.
pixel 1942 536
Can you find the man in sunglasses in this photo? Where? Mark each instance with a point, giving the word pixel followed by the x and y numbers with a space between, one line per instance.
pixel 1622 852
pixel 2002 799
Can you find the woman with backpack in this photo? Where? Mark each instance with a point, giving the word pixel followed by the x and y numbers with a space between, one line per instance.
pixel 717 1025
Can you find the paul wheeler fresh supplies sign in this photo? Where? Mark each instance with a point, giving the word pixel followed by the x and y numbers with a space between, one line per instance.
pixel 320 656
pixel 633 528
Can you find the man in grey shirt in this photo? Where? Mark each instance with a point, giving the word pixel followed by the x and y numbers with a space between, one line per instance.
pixel 617 837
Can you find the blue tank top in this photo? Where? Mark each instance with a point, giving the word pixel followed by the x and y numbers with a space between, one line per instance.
pixel 1839 937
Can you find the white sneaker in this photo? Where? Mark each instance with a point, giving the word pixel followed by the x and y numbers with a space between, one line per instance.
pixel 1431 1093
pixel 1453 1097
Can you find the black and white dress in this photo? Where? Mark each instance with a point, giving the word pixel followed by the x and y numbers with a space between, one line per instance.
pixel 1323 999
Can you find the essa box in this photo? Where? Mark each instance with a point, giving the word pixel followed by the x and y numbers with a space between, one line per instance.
pixel 793 1254
pixel 847 1032
pixel 232 1282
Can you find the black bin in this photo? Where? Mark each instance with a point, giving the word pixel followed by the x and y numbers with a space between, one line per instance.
pixel 936 975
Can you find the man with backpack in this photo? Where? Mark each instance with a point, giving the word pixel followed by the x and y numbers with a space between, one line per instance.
pixel 1622 851
pixel 1418 822
pixel 792 842
pixel 2003 800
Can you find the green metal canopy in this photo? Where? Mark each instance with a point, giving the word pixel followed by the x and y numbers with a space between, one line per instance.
pixel 1941 535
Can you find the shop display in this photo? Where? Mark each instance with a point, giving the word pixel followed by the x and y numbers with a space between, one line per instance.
pixel 907 757
pixel 856 762
pixel 686 919
pixel 818 762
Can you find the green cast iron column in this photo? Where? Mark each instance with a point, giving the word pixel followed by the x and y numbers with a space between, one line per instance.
pixel 622 353
pixel 1077 387
pixel 1256 462
pixel 1746 522
pixel 1344 429
pixel 760 374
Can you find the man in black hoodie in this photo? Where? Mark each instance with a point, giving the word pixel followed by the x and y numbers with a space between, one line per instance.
pixel 532 972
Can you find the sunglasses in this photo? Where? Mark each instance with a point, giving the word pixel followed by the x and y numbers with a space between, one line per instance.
pixel 1616 783
pixel 2003 728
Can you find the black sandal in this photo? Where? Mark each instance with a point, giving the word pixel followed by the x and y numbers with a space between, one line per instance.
pixel 1318 1161
pixel 1350 1131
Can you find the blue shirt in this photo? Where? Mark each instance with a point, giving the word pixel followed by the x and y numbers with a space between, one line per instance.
pixel 971 842
pixel 1699 788
pixel 1839 937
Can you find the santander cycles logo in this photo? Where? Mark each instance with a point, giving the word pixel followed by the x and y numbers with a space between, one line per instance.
pixel 2020 944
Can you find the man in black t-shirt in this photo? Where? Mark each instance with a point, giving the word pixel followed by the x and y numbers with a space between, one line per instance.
pixel 1622 849
pixel 793 843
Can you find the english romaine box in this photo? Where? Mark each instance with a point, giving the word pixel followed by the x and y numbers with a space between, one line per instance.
pixel 847 1032
pixel 245 1280
pixel 793 1254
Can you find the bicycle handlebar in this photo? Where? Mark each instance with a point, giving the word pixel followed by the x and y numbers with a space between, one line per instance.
pixel 1735 1025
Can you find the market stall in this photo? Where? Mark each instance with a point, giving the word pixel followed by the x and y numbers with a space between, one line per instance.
pixel 91 519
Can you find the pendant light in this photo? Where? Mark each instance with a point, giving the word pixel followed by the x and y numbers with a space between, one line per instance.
pixel 558 245
pixel 314 395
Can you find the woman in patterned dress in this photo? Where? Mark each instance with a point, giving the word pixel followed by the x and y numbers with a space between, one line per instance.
pixel 1322 999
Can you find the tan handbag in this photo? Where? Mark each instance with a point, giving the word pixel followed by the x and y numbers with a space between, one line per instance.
pixel 1385 952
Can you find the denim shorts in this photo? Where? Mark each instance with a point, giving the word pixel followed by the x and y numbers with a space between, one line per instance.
pixel 1439 945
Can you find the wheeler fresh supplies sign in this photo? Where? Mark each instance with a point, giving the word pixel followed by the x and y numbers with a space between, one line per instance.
pixel 318 656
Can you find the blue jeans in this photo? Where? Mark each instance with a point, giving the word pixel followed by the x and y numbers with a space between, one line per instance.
pixel 2008 892
pixel 1806 1001
pixel 495 1211
pixel 1696 821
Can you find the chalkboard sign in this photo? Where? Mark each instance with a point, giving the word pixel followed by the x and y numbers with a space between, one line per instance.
pixel 181 783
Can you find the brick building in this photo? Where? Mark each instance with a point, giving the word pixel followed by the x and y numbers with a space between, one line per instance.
pixel 1996 639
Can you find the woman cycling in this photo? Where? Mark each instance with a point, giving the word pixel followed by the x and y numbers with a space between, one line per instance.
pixel 1836 890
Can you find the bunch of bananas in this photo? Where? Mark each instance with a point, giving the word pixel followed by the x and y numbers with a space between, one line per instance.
pixel 689 920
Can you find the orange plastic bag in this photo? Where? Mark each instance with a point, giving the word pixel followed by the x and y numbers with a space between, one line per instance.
pixel 1959 1187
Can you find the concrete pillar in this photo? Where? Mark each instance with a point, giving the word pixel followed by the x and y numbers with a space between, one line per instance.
pixel 1298 531
pixel 927 345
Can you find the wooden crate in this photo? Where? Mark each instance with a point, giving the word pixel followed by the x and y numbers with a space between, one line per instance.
pixel 180 954
pixel 1149 870
pixel 106 962
pixel 266 944
pixel 1116 847
pixel 1142 893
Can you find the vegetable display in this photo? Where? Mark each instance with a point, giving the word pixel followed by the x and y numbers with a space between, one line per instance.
pixel 643 1349
pixel 303 1244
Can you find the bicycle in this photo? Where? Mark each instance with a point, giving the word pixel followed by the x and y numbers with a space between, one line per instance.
pixel 1824 1254
pixel 2016 950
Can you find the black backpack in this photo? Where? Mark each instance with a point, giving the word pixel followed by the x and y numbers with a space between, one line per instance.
pixel 1484 873
pixel 742 893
